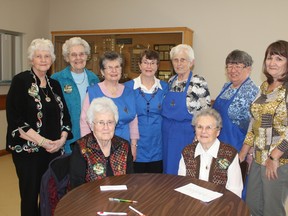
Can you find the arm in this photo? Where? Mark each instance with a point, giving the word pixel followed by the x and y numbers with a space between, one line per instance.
pixel 182 167
pixel 234 182
pixel 84 127
pixel 134 136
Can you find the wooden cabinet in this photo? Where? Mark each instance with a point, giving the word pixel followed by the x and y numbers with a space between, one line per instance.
pixel 129 43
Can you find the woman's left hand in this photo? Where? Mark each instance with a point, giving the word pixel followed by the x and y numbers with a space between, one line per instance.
pixel 57 145
pixel 271 169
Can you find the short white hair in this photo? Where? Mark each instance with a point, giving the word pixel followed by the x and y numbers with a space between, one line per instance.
pixel 185 48
pixel 41 44
pixel 101 105
pixel 74 41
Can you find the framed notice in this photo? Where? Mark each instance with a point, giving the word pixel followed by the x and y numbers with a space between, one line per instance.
pixel 164 51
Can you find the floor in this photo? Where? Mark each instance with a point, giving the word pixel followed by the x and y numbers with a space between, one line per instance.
pixel 9 191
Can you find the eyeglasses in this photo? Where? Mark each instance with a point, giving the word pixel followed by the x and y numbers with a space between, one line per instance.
pixel 181 60
pixel 80 55
pixel 152 63
pixel 110 68
pixel 230 67
pixel 207 128
pixel 102 124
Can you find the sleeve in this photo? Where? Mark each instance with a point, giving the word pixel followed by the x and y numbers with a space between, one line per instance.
pixel 182 167
pixel 198 94
pixel 249 139
pixel 129 168
pixel 84 127
pixel 66 118
pixel 235 182
pixel 134 131
pixel 15 107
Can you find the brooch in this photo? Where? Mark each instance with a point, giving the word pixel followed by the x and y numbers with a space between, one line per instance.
pixel 68 89
pixel 223 163
pixel 33 90
pixel 99 168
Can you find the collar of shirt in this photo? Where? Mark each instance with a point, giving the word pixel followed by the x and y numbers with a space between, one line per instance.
pixel 213 150
pixel 138 84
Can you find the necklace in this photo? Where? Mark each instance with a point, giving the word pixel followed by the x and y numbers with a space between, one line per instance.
pixel 47 98
pixel 148 101
pixel 80 83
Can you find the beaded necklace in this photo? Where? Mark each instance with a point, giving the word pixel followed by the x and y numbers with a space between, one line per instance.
pixel 148 101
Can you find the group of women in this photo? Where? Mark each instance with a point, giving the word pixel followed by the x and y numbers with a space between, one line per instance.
pixel 144 125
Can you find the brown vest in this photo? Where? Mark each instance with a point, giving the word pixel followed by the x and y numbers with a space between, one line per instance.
pixel 219 166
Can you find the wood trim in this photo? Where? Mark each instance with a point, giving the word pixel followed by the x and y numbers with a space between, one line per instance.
pixel 4 152
pixel 119 31
pixel 2 102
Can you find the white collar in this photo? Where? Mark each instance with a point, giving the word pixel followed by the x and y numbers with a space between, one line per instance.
pixel 213 150
pixel 138 84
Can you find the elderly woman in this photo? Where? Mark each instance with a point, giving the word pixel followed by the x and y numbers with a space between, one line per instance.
pixel 111 66
pixel 149 93
pixel 38 123
pixel 234 100
pixel 100 153
pixel 74 80
pixel 209 159
pixel 267 189
pixel 187 94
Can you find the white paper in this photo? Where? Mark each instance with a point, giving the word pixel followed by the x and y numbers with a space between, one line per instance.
pixel 198 192
pixel 113 187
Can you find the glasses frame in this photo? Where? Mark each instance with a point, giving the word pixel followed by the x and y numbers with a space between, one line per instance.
pixel 102 124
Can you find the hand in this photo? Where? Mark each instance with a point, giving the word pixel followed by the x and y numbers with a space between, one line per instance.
pixel 271 169
pixel 56 145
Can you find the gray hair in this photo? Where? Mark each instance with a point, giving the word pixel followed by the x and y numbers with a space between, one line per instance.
pixel 40 44
pixel 239 57
pixel 74 41
pixel 208 112
pixel 185 48
pixel 101 105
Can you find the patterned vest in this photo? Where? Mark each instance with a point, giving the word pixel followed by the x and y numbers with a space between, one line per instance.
pixel 219 166
pixel 96 161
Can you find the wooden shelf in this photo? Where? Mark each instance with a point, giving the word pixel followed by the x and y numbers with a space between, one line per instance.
pixel 129 43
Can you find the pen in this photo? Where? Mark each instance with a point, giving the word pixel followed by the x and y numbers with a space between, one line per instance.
pixel 111 213
pixel 122 200
pixel 138 212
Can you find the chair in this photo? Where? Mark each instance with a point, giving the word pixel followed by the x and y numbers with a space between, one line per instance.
pixel 244 170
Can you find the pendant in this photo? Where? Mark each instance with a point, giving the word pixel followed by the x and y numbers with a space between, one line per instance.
pixel 48 99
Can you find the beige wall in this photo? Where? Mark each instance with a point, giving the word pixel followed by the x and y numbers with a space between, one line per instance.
pixel 219 26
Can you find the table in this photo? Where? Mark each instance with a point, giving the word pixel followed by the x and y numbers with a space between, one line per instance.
pixel 155 195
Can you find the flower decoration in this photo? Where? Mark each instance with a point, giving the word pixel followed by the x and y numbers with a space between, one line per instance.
pixel 68 89
pixel 223 163
pixel 33 91
pixel 99 168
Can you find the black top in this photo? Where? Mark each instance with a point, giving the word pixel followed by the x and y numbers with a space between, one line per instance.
pixel 27 108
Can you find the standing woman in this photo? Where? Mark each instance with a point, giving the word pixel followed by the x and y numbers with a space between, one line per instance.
pixel 38 123
pixel 187 94
pixel 74 80
pixel 149 93
pixel 267 189
pixel 110 65
pixel 234 100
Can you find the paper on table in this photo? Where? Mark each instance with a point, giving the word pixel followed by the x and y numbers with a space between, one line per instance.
pixel 198 192
pixel 113 187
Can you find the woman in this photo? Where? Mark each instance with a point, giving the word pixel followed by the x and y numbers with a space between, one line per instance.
pixel 38 122
pixel 110 66
pixel 100 153
pixel 187 94
pixel 74 80
pixel 267 189
pixel 234 100
pixel 209 159
pixel 149 93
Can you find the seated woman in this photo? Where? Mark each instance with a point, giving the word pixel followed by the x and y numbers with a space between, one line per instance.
pixel 207 158
pixel 100 153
